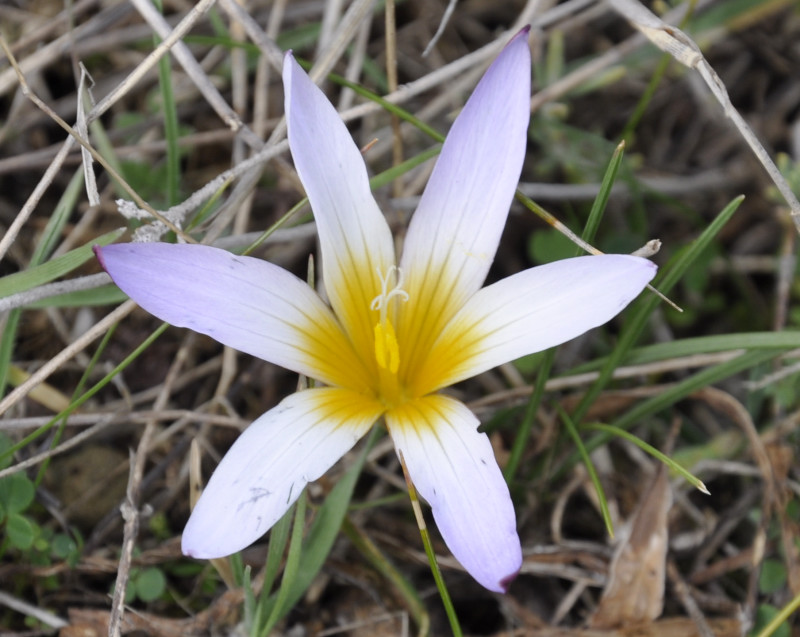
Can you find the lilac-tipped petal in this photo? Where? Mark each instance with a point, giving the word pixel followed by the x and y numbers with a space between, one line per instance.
pixel 354 236
pixel 453 467
pixel 531 311
pixel 243 302
pixel 269 465
pixel 453 235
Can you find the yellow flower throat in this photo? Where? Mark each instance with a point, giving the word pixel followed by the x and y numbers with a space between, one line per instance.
pixel 387 351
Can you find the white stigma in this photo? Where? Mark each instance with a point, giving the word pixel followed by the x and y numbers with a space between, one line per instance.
pixel 381 302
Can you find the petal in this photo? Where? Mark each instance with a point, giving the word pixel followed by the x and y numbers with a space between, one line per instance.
pixel 531 311
pixel 453 236
pixel 354 236
pixel 453 467
pixel 246 303
pixel 269 465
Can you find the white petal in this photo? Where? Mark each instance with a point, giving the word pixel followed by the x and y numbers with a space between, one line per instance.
pixel 353 233
pixel 453 235
pixel 531 311
pixel 453 467
pixel 269 465
pixel 243 302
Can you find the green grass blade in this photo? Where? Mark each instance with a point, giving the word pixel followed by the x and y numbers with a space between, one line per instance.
pixel 386 105
pixel 637 319
pixel 693 383
pixel 679 391
pixel 522 437
pixel 782 616
pixel 384 566
pixel 50 237
pixel 671 464
pixel 278 538
pixel 51 270
pixel 292 569
pixel 55 225
pixel 390 174
pixel 89 393
pixel 249 604
pixel 601 201
pixel 646 97
pixel 323 532
pixel 104 295
pixel 7 340
pixel 587 462
pixel 171 133
pixel 75 395
pixel 785 340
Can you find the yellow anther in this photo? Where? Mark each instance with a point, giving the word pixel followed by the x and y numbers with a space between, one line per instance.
pixel 387 352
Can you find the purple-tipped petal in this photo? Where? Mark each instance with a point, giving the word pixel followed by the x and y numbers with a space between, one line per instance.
pixel 245 303
pixel 531 311
pixel 453 235
pixel 453 467
pixel 269 465
pixel 354 236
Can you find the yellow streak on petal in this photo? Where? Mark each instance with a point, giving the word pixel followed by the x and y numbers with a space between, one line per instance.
pixel 351 285
pixel 444 364
pixel 434 299
pixel 327 348
pixel 419 414
pixel 346 408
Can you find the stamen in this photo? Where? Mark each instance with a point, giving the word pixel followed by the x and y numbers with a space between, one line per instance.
pixel 387 351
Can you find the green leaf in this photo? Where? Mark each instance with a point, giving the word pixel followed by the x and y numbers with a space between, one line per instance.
pixel 765 615
pixel 549 245
pixel 679 391
pixel 150 584
pixel 130 591
pixel 63 546
pixel 773 577
pixel 16 493
pixel 21 531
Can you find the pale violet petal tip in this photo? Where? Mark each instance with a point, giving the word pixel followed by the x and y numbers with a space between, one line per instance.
pixel 463 209
pixel 243 302
pixel 454 233
pixel 452 466
pixel 354 236
pixel 533 310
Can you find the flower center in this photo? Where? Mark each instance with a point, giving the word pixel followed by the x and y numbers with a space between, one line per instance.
pixel 387 352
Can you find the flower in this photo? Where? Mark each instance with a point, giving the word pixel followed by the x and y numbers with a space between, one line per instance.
pixel 390 336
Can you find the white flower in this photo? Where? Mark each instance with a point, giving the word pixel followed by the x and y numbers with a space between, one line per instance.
pixel 393 334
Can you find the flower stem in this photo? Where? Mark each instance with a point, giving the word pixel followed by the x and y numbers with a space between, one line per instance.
pixel 426 541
